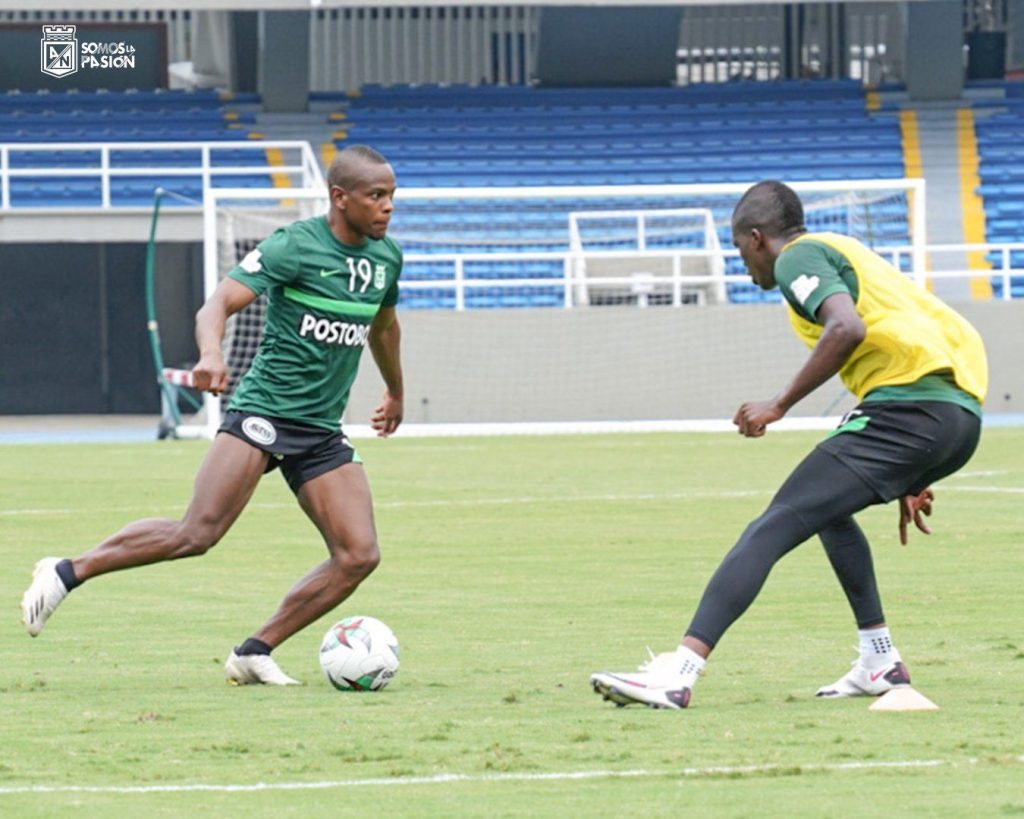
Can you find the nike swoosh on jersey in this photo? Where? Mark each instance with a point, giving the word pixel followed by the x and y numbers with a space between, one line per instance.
pixel 334 272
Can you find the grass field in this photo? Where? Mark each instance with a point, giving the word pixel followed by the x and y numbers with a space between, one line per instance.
pixel 513 567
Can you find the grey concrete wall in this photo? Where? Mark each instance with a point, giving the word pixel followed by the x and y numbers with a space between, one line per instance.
pixel 625 363
pixel 284 61
pixel 613 45
pixel 1015 35
pixel 935 37
pixel 1001 324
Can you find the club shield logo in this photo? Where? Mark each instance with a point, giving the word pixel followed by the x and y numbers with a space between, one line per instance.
pixel 58 51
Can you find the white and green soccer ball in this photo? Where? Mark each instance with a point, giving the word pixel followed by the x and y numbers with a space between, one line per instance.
pixel 359 654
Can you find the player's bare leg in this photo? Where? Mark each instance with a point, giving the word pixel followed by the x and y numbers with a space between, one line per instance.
pixel 225 483
pixel 223 486
pixel 340 504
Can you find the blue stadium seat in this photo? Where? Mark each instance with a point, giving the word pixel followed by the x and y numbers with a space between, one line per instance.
pixel 1001 171
pixel 111 117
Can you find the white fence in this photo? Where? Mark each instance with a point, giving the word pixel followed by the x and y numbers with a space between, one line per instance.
pixel 765 41
pixel 298 166
pixel 422 44
pixel 570 282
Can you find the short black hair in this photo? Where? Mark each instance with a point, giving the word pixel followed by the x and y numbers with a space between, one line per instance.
pixel 770 206
pixel 341 172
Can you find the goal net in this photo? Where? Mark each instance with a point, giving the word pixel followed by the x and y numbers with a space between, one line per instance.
pixel 621 307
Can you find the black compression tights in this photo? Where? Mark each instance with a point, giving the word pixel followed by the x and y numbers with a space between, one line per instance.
pixel 819 497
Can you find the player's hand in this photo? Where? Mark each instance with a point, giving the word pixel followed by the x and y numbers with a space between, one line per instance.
pixel 210 374
pixel 754 416
pixel 911 509
pixel 387 416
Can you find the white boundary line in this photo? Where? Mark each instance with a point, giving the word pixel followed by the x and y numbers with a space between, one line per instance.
pixel 440 779
pixel 472 429
pixel 694 494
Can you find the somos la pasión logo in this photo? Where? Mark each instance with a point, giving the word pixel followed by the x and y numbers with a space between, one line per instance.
pixel 60 53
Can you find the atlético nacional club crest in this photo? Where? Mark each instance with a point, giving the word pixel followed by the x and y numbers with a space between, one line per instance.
pixel 58 51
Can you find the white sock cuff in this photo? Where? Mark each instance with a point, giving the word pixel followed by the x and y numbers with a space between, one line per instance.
pixel 875 642
pixel 691 661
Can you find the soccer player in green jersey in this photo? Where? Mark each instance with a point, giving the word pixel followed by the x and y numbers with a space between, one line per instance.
pixel 332 286
pixel 920 373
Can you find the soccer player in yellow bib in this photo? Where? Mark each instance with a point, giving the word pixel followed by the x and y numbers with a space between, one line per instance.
pixel 919 371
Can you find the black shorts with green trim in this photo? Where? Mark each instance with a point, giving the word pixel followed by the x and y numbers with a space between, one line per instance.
pixel 302 452
pixel 902 447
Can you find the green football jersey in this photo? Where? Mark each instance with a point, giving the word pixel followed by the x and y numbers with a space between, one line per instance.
pixel 322 296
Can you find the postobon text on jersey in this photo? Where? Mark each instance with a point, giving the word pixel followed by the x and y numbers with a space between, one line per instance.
pixel 342 333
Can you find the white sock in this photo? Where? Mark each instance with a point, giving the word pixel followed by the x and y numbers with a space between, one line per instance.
pixel 692 664
pixel 876 648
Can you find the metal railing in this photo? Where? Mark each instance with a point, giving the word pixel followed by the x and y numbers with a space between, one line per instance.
pixel 1005 270
pixel 410 43
pixel 301 169
pixel 675 284
pixel 573 282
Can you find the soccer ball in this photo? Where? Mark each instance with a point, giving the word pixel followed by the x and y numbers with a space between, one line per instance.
pixel 359 654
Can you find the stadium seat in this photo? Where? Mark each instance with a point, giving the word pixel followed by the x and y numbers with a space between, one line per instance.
pixel 463 136
pixel 111 117
pixel 1001 171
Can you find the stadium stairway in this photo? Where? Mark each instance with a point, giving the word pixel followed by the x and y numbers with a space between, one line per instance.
pixel 1001 175
pixel 938 137
pixel 311 127
pixel 973 190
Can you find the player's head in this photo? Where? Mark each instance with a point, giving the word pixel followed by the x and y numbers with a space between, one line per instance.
pixel 767 216
pixel 362 186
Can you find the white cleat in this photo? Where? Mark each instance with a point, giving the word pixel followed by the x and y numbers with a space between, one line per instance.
pixel 255 669
pixel 658 684
pixel 43 595
pixel 864 682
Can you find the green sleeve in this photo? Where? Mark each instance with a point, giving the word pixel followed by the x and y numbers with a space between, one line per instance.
pixel 272 262
pixel 808 273
pixel 391 295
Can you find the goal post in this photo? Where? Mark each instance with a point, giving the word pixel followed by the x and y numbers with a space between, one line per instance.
pixel 543 352
pixel 623 256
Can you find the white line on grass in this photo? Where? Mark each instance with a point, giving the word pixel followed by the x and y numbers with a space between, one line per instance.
pixel 441 502
pixel 439 779
pixel 692 494
pixel 996 490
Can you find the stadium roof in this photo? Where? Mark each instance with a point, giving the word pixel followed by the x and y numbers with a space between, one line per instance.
pixel 285 5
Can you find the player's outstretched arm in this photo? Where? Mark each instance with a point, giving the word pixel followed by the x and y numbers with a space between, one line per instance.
pixel 211 373
pixel 842 331
pixel 385 343
pixel 911 509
